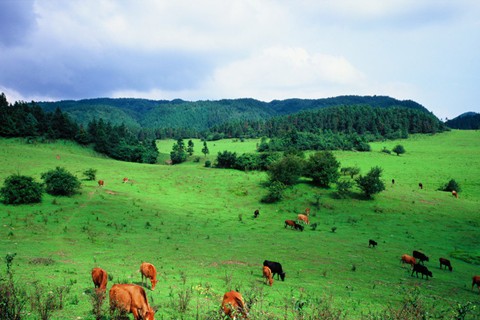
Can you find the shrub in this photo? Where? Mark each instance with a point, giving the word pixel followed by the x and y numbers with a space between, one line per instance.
pixel 18 189
pixel 226 159
pixel 450 186
pixel 371 184
pixel 90 174
pixel 399 149
pixel 275 192
pixel 60 182
pixel 208 163
pixel 322 167
pixel 287 170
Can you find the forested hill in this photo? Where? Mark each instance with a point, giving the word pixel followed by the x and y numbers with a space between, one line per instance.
pixel 201 115
pixel 466 121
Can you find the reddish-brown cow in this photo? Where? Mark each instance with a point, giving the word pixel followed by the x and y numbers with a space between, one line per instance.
pixel 290 223
pixel 307 211
pixel 234 305
pixel 125 180
pixel 476 281
pixel 408 259
pixel 303 218
pixel 130 298
pixel 99 277
pixel 267 274
pixel 101 183
pixel 455 194
pixel 148 271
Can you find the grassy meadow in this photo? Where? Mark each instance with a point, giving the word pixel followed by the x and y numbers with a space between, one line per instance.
pixel 196 225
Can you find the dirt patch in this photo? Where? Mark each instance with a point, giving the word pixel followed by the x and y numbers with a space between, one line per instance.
pixel 111 192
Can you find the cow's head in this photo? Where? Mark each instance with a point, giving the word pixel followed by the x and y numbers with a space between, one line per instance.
pixel 282 276
pixel 430 274
pixel 154 282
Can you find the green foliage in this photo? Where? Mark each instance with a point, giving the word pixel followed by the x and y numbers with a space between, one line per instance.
pixel 60 182
pixel 178 154
pixel 190 147
pixel 351 171
pixel 205 150
pixel 90 174
pixel 226 159
pixel 208 164
pixel 451 185
pixel 322 167
pixel 275 192
pixel 399 149
pixel 287 170
pixel 371 184
pixel 343 188
pixel 18 189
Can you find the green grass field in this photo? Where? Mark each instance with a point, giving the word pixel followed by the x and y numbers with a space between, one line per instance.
pixel 196 225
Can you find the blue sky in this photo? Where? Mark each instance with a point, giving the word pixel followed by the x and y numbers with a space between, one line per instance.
pixel 423 50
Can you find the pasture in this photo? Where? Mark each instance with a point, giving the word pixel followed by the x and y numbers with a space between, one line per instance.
pixel 196 225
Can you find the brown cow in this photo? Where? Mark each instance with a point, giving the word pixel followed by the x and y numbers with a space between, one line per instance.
pixel 307 211
pixel 234 305
pixel 446 263
pixel 99 277
pixel 125 180
pixel 303 218
pixel 101 183
pixel 455 194
pixel 476 281
pixel 148 271
pixel 130 298
pixel 267 273
pixel 290 223
pixel 408 259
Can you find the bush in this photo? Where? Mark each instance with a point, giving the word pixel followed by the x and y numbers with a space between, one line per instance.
pixel 60 182
pixel 19 189
pixel 208 164
pixel 226 159
pixel 371 184
pixel 287 170
pixel 450 186
pixel 90 174
pixel 322 167
pixel 399 149
pixel 275 192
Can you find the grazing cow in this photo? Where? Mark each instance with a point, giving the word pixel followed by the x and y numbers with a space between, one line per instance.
pixel 267 273
pixel 420 185
pixel 307 211
pixel 455 194
pixel 408 259
pixel 101 183
pixel 372 243
pixel 422 269
pixel 99 277
pixel 298 227
pixel 393 181
pixel 125 180
pixel 420 256
pixel 130 298
pixel 476 281
pixel 256 213
pixel 233 305
pixel 148 271
pixel 303 218
pixel 276 269
pixel 290 223
pixel 446 263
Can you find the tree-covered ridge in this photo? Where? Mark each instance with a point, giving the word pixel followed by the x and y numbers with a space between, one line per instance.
pixel 202 115
pixel 117 141
pixel 394 122
pixel 466 121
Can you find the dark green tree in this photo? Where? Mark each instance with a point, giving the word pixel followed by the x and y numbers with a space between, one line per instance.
pixel 287 170
pixel 275 192
pixel 399 149
pixel 451 185
pixel 18 189
pixel 60 182
pixel 178 154
pixel 322 167
pixel 90 174
pixel 190 147
pixel 226 159
pixel 205 150
pixel 371 184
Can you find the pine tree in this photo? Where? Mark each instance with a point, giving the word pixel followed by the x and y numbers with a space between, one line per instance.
pixel 205 150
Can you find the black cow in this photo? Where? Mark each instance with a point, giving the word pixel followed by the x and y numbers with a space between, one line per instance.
pixel 420 185
pixel 276 269
pixel 420 256
pixel 256 213
pixel 446 263
pixel 372 243
pixel 422 269
pixel 298 227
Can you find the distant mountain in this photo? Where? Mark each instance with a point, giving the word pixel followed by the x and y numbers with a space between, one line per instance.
pixel 465 121
pixel 201 115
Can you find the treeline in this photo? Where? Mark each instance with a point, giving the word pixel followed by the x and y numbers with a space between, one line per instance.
pixel 341 127
pixel 30 121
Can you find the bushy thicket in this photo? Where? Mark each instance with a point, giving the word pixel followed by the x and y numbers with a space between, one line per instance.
pixel 18 189
pixel 451 185
pixel 60 182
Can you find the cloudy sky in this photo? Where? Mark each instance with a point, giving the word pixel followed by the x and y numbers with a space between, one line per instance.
pixel 423 50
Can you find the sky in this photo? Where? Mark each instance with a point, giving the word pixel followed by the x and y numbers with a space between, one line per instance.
pixel 422 50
